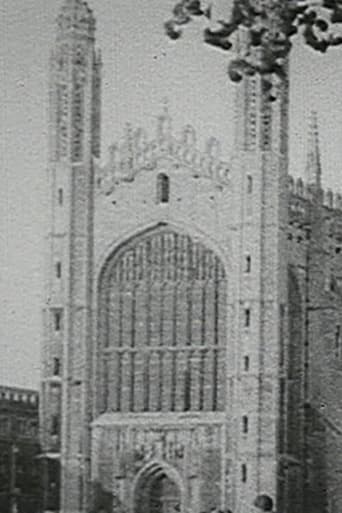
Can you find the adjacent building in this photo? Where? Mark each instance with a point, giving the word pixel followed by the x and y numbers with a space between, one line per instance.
pixel 192 355
pixel 19 451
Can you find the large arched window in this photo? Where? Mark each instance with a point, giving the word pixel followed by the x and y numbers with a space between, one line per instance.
pixel 162 326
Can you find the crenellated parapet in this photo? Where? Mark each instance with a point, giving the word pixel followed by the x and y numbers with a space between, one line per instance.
pixel 309 204
pixel 19 395
pixel 136 153
pixel 307 192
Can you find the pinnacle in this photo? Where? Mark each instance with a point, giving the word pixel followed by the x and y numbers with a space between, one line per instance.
pixel 313 159
pixel 77 14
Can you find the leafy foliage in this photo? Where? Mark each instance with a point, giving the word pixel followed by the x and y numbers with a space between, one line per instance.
pixel 266 28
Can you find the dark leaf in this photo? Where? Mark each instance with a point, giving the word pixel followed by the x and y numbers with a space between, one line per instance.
pixel 171 30
pixel 181 17
pixel 290 30
pixel 207 12
pixel 266 85
pixel 194 8
pixel 336 16
pixel 329 4
pixel 234 73
pixel 213 39
pixel 322 25
pixel 226 29
pixel 310 17
pixel 335 40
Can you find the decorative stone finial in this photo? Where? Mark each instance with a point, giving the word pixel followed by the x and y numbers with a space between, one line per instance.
pixel 76 18
pixel 313 170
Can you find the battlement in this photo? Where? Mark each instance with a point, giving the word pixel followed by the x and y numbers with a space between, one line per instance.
pixel 19 396
pixel 308 192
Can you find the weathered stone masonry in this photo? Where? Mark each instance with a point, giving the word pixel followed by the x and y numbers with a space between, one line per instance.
pixel 192 353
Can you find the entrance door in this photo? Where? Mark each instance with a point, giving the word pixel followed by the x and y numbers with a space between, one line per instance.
pixel 159 495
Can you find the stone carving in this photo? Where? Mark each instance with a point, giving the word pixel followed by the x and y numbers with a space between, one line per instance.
pixel 135 447
pixel 136 153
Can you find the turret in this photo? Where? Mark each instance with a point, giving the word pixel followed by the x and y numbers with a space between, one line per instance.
pixel 74 142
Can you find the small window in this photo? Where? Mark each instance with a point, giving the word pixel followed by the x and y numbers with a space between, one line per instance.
pixel 56 366
pixel 332 284
pixel 338 341
pixel 245 424
pixel 58 319
pixel 58 270
pixel 247 317
pixel 244 473
pixel 60 196
pixel 248 263
pixel 54 425
pixel 163 188
pixel 249 184
pixel 246 363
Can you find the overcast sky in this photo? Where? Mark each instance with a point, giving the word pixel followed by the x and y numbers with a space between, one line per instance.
pixel 141 68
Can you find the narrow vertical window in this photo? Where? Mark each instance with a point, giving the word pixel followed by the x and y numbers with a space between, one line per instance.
pixel 58 269
pixel 54 425
pixel 58 319
pixel 249 184
pixel 338 341
pixel 245 424
pixel 187 394
pixel 56 366
pixel 247 317
pixel 244 473
pixel 246 363
pixel 60 196
pixel 163 188
pixel 248 264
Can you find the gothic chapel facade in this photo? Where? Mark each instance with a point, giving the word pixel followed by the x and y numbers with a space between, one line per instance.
pixel 192 355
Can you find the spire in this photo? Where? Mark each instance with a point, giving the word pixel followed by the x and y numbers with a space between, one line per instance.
pixel 313 170
pixel 76 17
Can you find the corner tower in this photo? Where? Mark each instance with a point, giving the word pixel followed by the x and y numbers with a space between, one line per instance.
pixel 74 144
pixel 259 171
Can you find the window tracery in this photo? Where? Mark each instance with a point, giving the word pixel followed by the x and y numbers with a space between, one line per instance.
pixel 163 320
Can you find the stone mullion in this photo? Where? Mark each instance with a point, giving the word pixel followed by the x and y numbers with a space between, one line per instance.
pixel 202 357
pixel 154 343
pixel 140 342
pixel 182 331
pixel 167 329
pixel 195 380
pixel 209 340
pixel 119 366
pixel 111 326
pixel 174 344
pixel 222 343
pixel 125 381
pixel 154 382
pixel 133 321
pixel 147 266
pixel 216 336
pixel 161 341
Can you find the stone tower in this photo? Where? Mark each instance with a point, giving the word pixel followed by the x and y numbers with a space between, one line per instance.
pixel 74 142
pixel 259 173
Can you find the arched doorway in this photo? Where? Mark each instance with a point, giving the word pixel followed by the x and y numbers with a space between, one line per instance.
pixel 157 492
